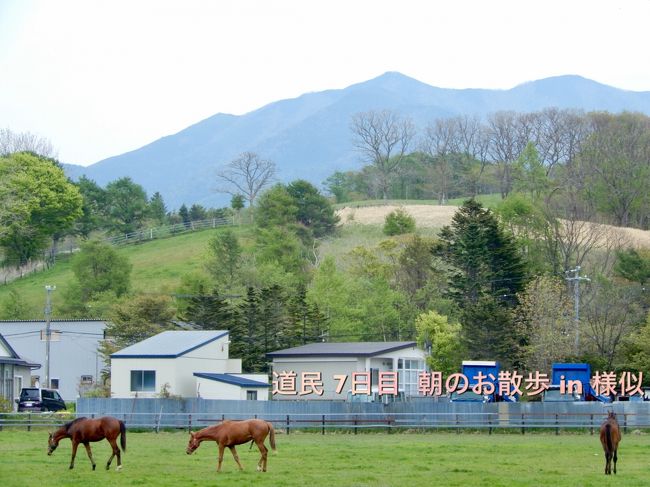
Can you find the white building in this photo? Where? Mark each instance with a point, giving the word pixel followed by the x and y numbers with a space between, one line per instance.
pixel 15 373
pixel 186 364
pixel 75 362
pixel 333 361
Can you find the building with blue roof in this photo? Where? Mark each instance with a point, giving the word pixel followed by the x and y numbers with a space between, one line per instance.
pixel 192 363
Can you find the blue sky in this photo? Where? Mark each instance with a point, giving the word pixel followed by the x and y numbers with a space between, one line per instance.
pixel 99 78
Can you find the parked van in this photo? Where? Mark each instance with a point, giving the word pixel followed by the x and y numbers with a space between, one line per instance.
pixel 37 399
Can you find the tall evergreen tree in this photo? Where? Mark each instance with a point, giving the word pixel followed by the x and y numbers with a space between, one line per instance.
pixel 209 311
pixel 489 272
pixel 157 209
pixel 184 214
pixel 245 342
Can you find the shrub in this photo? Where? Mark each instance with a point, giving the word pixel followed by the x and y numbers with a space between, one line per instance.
pixel 399 222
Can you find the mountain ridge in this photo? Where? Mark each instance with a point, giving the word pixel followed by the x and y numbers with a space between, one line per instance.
pixel 309 136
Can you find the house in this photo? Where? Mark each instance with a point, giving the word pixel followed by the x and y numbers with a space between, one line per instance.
pixel 325 365
pixel 15 373
pixel 75 362
pixel 186 364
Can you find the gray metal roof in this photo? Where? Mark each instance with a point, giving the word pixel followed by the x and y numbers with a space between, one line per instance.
pixel 231 379
pixel 343 349
pixel 170 344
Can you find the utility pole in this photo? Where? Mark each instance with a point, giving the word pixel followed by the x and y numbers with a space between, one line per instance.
pixel 48 332
pixel 576 301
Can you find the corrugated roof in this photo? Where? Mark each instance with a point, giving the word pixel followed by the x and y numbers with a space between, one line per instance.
pixel 343 349
pixel 231 379
pixel 170 344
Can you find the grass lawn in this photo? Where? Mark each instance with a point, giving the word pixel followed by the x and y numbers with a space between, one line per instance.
pixel 309 459
pixel 158 266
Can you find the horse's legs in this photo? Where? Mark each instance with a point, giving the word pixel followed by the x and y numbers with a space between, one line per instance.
pixel 90 454
pixel 615 458
pixel 116 452
pixel 608 463
pixel 234 454
pixel 261 465
pixel 74 453
pixel 221 448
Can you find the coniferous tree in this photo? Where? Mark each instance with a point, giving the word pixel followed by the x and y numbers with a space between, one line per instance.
pixel 209 311
pixel 488 273
pixel 157 209
pixel 184 213
pixel 245 343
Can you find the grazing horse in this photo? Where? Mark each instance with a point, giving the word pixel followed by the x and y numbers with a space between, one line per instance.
pixel 232 433
pixel 84 430
pixel 610 436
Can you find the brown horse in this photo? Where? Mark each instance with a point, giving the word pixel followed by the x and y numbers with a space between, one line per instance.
pixel 610 436
pixel 84 430
pixel 232 433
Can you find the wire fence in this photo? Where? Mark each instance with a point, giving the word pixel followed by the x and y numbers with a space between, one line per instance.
pixel 10 271
pixel 351 422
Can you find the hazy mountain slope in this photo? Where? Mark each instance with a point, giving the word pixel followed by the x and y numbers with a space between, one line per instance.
pixel 309 137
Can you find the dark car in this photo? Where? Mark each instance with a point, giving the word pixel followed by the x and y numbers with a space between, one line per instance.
pixel 35 399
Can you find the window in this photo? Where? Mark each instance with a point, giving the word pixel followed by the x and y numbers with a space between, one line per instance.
pixel 251 395
pixel 409 370
pixel 47 394
pixel 143 380
pixel 54 383
pixel 86 379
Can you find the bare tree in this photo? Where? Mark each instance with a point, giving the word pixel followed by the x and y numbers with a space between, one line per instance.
pixel 384 138
pixel 438 143
pixel 11 142
pixel 247 175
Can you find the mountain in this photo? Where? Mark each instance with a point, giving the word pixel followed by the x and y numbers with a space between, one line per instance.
pixel 309 137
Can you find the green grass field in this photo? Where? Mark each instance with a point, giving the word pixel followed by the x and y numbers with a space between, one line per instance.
pixel 158 266
pixel 309 459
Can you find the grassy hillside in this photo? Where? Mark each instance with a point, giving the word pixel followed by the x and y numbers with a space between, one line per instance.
pixel 158 266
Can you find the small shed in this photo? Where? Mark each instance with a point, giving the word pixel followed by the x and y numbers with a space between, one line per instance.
pixel 251 387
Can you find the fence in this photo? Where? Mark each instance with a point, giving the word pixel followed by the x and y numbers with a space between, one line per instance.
pixel 9 272
pixel 167 230
pixel 325 416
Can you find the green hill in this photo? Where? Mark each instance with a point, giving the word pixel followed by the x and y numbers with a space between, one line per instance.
pixel 158 266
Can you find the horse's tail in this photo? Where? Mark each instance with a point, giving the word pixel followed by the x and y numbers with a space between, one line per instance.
pixel 608 436
pixel 123 435
pixel 271 436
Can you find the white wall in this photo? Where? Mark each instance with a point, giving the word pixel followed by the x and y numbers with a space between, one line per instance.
pixel 212 389
pixel 177 372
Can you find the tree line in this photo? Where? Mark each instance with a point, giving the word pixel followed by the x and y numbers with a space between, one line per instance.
pixel 596 163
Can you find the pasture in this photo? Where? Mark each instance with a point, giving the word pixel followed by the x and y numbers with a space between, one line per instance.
pixel 335 459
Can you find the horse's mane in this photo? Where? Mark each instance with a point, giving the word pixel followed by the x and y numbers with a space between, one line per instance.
pixel 68 425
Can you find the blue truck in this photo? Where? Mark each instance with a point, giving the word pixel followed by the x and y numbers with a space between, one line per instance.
pixel 490 370
pixel 572 382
